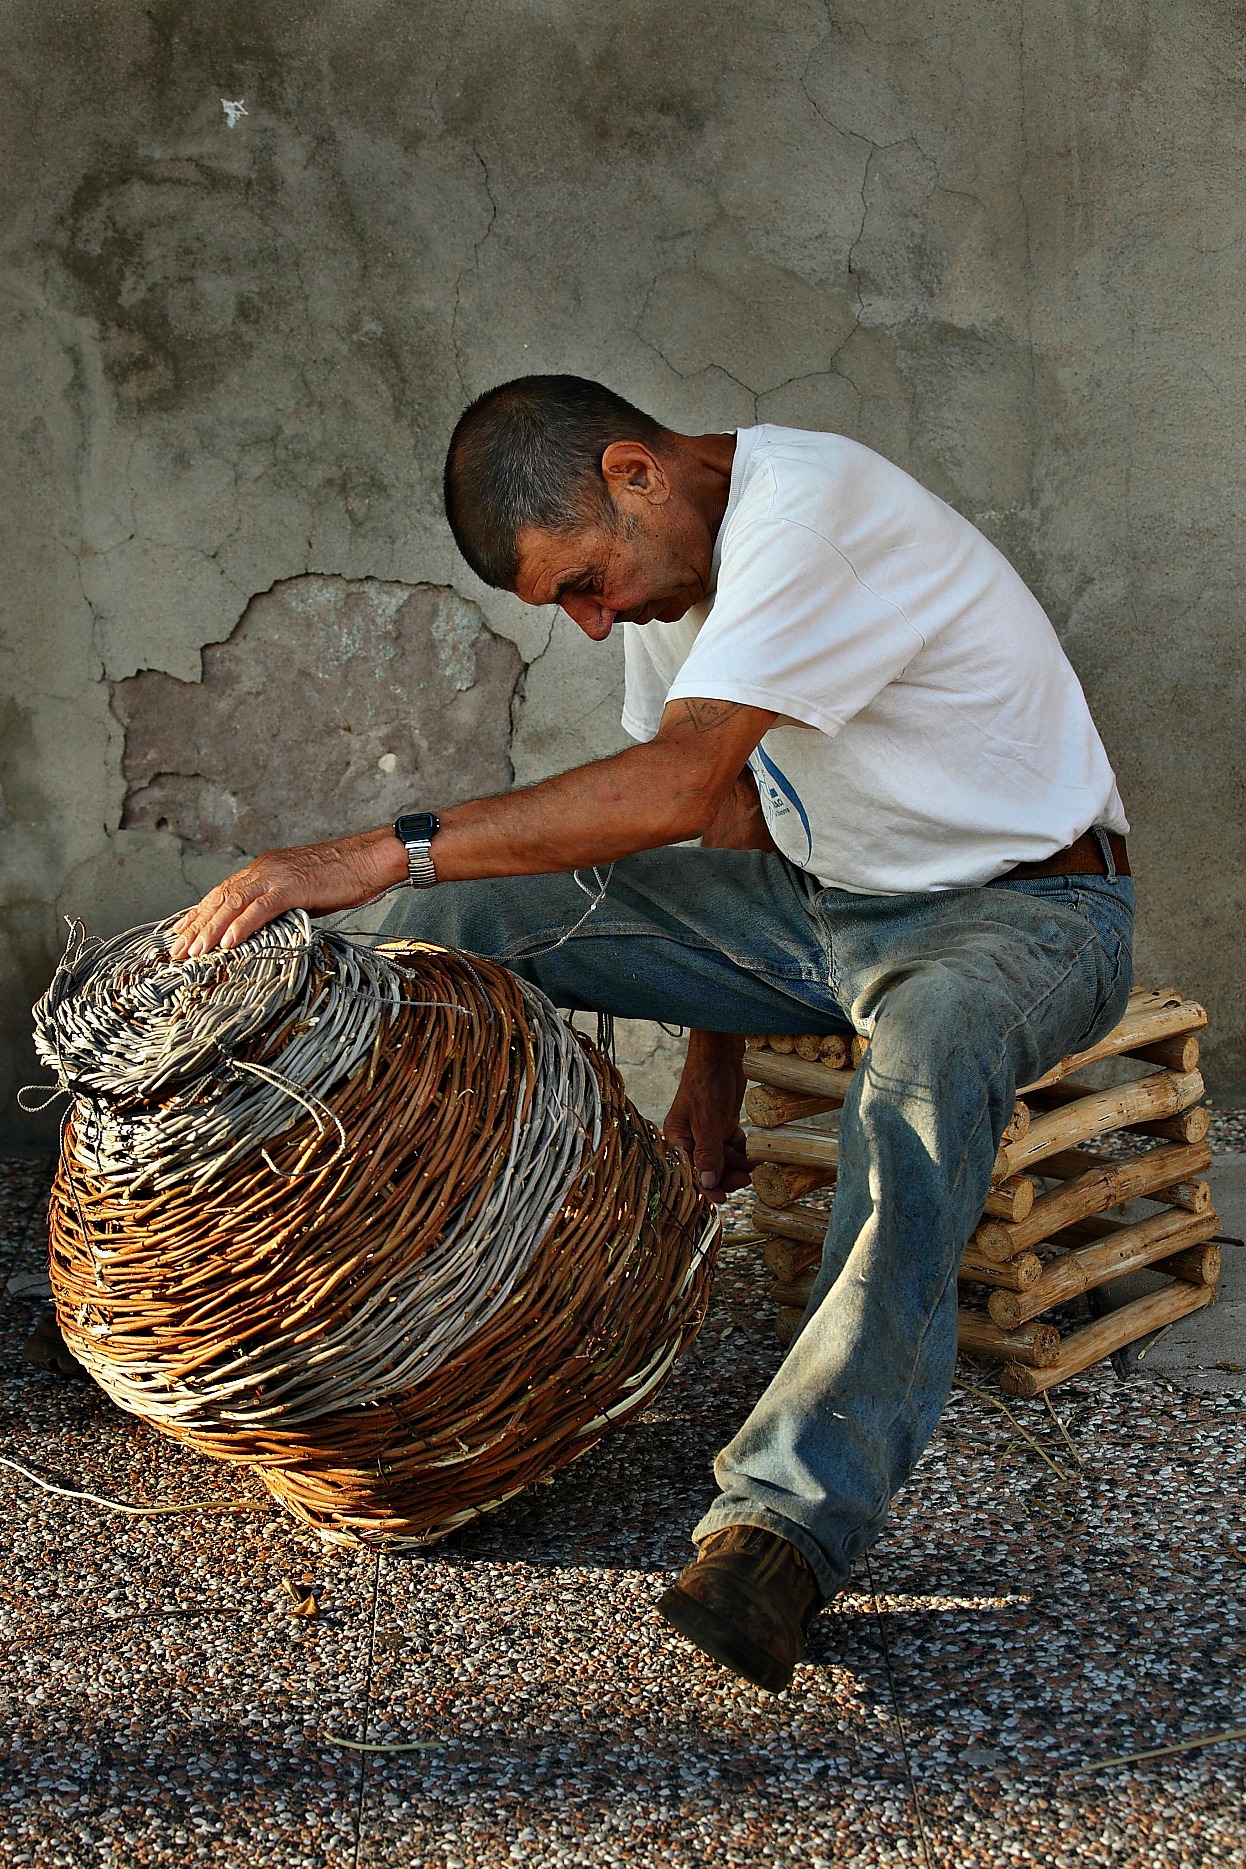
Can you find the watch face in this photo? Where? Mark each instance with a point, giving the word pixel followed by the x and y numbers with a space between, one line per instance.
pixel 416 827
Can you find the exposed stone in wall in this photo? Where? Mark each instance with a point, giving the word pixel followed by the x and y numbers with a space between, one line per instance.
pixel 334 705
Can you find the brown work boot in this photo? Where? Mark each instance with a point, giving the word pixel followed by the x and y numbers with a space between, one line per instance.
pixel 748 1601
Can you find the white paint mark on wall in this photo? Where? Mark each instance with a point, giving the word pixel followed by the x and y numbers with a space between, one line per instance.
pixel 233 108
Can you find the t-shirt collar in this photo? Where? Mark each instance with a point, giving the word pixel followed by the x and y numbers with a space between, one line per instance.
pixel 744 439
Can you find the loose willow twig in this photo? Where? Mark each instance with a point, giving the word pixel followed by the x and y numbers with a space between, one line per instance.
pixel 138 1512
pixel 1156 1752
pixel 1003 1408
pixel 1077 1459
pixel 361 1745
pixel 1155 1339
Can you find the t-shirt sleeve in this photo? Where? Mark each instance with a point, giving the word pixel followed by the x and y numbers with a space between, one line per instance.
pixel 644 688
pixel 795 630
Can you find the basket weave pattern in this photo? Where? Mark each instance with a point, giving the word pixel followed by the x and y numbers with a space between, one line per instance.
pixel 360 1319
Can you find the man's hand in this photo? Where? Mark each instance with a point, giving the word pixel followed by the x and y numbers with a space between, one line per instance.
pixel 740 823
pixel 705 1116
pixel 317 877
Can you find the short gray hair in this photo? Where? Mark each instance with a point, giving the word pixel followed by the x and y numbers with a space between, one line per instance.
pixel 528 453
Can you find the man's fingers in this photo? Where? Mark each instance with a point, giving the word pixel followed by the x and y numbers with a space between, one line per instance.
pixel 731 1183
pixel 234 920
pixel 252 919
pixel 241 906
pixel 707 1159
pixel 198 932
pixel 317 877
pixel 226 916
pixel 677 1128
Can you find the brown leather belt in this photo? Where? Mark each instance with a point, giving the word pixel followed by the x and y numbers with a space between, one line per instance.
pixel 1082 858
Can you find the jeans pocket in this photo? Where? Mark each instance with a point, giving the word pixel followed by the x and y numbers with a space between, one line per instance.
pixel 1109 911
pixel 1108 908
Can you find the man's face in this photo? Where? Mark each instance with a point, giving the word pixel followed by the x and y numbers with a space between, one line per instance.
pixel 654 567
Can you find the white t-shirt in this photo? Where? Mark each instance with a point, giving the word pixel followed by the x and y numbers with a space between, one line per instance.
pixel 933 733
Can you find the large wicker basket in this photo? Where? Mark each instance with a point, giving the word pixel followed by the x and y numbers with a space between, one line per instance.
pixel 302 1309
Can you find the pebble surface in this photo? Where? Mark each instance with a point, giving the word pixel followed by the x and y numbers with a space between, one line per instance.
pixel 161 1705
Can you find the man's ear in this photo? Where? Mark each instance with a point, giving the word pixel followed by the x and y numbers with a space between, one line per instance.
pixel 630 469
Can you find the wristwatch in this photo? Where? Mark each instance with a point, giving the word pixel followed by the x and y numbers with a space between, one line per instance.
pixel 417 831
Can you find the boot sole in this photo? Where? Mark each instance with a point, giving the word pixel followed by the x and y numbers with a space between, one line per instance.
pixel 706 1632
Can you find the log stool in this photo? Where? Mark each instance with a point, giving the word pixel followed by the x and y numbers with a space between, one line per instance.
pixel 1045 1236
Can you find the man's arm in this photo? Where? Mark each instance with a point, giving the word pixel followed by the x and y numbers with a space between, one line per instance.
pixel 740 823
pixel 670 789
pixel 704 1119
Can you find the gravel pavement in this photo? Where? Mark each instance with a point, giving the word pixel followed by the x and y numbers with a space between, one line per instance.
pixel 1034 1607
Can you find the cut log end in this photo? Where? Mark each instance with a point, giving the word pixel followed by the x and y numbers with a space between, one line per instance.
pixel 1011 1200
pixel 1174 1054
pixel 1186 1126
pixel 779 1185
pixel 1197 1265
pixel 1037 1345
pixel 1018 1123
pixel 771 1109
pixel 1019 1274
pixel 787 1322
pixel 788 1259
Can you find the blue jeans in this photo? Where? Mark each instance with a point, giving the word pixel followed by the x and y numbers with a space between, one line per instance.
pixel 965 994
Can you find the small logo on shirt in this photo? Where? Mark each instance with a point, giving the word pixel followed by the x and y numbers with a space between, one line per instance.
pixel 779 797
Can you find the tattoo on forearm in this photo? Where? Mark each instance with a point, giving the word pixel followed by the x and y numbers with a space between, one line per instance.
pixel 705 715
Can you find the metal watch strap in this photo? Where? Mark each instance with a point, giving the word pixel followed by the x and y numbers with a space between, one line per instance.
pixel 416 832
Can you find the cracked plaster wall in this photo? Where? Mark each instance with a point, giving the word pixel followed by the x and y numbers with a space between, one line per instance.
pixel 1000 242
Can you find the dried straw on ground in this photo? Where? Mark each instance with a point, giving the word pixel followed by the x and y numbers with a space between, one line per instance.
pixel 377 1223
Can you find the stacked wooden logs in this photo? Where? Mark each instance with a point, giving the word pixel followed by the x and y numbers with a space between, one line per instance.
pixel 1046 1236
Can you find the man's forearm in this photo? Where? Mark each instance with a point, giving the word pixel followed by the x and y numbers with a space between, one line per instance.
pixel 638 799
pixel 634 800
pixel 661 793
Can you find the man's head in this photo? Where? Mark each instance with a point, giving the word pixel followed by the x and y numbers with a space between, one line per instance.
pixel 563 492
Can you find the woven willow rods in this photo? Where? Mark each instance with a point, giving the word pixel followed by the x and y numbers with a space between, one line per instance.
pixel 467 1274
pixel 449 1270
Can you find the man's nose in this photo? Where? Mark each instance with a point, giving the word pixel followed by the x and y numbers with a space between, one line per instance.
pixel 594 618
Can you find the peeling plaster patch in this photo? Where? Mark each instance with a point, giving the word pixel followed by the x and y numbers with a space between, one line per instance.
pixel 455 629
pixel 333 706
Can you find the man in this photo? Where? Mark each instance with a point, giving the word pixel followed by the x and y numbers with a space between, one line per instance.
pixel 909 828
